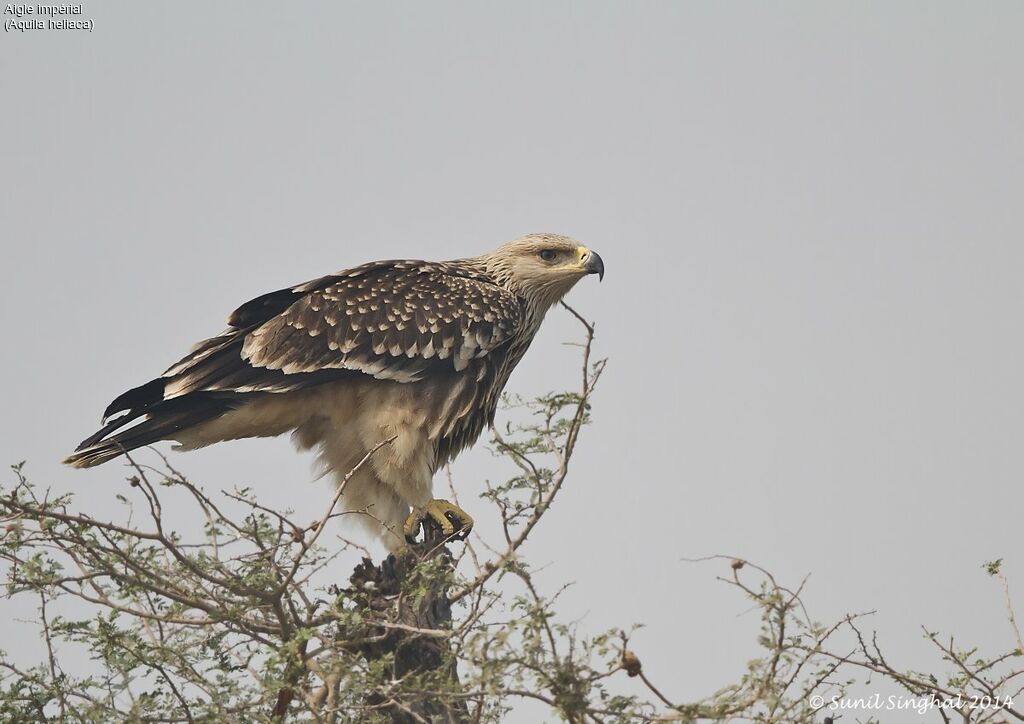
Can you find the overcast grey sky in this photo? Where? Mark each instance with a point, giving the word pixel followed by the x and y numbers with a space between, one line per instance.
pixel 810 213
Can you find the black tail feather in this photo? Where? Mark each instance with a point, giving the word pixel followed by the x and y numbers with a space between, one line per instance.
pixel 162 421
pixel 108 428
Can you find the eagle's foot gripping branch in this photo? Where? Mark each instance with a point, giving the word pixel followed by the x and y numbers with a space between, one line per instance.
pixel 453 521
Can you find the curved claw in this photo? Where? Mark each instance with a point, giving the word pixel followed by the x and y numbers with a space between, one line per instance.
pixel 453 520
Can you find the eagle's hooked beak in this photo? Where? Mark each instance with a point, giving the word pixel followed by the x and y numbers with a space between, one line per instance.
pixel 592 262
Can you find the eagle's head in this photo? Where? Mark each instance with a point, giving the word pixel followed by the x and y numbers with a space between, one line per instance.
pixel 542 267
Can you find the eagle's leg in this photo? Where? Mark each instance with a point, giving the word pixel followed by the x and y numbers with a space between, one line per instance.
pixel 454 521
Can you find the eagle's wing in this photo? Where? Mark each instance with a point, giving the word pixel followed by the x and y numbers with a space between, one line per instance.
pixel 392 320
pixel 389 323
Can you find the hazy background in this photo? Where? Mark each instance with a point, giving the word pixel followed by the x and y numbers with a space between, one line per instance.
pixel 811 217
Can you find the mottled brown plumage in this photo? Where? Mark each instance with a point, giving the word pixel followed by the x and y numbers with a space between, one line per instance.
pixel 415 348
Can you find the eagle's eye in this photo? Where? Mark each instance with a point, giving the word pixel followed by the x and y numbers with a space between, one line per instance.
pixel 548 255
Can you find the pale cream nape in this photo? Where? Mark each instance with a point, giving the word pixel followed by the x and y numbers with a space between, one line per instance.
pixel 344 420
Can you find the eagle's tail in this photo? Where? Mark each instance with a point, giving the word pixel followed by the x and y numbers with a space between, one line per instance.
pixel 161 419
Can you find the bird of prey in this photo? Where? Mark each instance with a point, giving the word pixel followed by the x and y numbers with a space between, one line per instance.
pixel 411 350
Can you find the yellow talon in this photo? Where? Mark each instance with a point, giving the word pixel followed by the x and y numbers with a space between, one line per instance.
pixel 450 518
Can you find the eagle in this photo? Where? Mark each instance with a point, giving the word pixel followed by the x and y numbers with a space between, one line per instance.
pixel 414 353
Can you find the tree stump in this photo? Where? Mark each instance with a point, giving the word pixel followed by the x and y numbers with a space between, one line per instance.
pixel 409 592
